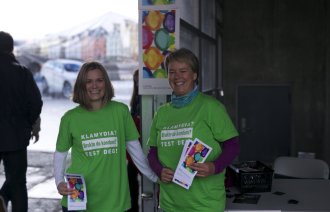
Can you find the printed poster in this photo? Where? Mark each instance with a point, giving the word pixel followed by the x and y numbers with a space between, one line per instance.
pixel 158 36
pixel 147 4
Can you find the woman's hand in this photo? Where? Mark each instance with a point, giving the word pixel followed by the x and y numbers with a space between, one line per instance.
pixel 203 169
pixel 63 189
pixel 166 175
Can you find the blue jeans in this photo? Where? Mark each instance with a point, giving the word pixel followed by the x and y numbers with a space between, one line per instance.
pixel 14 188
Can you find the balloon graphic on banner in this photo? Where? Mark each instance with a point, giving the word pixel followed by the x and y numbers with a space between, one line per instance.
pixel 158 40
pixel 154 19
pixel 147 37
pixel 169 21
pixel 152 58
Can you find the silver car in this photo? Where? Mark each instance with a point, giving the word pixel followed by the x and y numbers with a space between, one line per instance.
pixel 59 75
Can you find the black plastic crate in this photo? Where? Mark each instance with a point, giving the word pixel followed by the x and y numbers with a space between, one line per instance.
pixel 252 176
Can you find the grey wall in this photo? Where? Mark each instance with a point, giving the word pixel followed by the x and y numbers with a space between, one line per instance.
pixel 282 42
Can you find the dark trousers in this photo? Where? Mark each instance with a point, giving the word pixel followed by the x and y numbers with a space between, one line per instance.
pixel 14 188
pixel 133 182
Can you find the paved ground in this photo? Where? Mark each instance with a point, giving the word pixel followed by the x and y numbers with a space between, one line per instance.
pixel 43 196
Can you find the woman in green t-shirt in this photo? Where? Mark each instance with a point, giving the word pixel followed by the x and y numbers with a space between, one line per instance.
pixel 98 131
pixel 191 115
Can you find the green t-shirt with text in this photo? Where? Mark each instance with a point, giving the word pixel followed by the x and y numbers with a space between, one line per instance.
pixel 204 118
pixel 98 152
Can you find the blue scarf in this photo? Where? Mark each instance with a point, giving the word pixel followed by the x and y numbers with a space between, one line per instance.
pixel 181 101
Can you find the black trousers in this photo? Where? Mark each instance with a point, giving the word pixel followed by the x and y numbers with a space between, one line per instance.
pixel 14 188
pixel 133 182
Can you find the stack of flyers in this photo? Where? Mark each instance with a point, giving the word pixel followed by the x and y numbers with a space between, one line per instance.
pixel 77 200
pixel 193 152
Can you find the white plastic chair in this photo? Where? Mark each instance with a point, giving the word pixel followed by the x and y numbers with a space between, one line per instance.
pixel 295 167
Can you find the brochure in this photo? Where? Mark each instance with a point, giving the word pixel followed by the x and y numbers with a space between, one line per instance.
pixel 77 200
pixel 178 175
pixel 193 152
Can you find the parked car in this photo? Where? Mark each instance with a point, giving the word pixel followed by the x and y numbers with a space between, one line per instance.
pixel 59 75
pixel 38 79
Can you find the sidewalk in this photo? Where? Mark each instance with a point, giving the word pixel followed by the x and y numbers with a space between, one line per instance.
pixel 42 193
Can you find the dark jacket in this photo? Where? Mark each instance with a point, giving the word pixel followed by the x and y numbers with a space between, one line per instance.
pixel 20 104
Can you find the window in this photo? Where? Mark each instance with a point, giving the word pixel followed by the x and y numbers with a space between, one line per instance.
pixel 199 29
pixel 208 66
pixel 208 18
pixel 190 12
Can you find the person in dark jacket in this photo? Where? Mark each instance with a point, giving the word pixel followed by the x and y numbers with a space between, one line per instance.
pixel 20 108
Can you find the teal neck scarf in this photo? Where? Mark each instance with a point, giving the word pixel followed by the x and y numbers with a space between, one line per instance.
pixel 181 101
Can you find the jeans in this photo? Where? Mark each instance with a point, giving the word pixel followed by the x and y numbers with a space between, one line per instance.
pixel 14 188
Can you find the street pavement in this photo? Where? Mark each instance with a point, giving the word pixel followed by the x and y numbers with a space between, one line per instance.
pixel 42 192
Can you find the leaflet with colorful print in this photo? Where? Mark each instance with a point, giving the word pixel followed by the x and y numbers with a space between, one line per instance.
pixel 77 200
pixel 193 152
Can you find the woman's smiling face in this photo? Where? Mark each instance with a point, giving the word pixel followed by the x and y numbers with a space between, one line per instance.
pixel 181 77
pixel 95 85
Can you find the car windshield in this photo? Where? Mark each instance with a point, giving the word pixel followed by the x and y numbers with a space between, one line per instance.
pixel 70 67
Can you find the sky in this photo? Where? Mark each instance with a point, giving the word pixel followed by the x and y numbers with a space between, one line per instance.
pixel 33 19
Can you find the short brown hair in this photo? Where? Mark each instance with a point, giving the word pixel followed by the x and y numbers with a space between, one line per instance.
pixel 79 90
pixel 185 56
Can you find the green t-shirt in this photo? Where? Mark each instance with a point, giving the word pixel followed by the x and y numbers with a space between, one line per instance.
pixel 204 118
pixel 98 152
